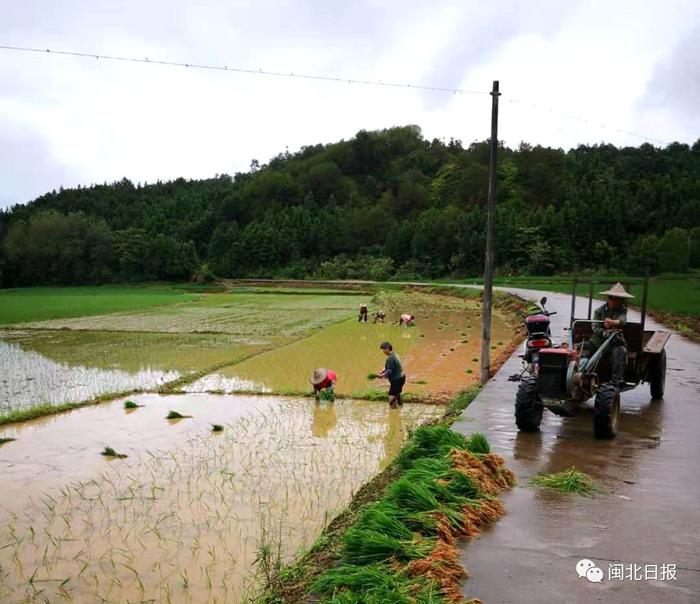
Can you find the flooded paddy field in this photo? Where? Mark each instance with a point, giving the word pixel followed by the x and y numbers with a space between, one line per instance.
pixel 190 514
pixel 184 517
pixel 440 354
pixel 244 314
pixel 70 366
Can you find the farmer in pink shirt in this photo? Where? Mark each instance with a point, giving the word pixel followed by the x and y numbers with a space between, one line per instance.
pixel 323 379
pixel 406 320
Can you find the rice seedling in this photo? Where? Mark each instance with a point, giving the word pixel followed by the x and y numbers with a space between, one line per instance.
pixel 568 481
pixel 470 371
pixel 176 415
pixel 475 360
pixel 374 584
pixel 431 441
pixel 477 443
pixel 217 428
pixel 6 440
pixel 109 452
pixel 372 376
pixel 131 405
pixel 327 394
pixel 364 546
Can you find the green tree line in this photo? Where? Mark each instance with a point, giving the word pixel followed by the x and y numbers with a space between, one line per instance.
pixel 385 204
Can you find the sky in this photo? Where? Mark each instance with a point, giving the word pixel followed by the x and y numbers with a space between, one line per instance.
pixel 617 66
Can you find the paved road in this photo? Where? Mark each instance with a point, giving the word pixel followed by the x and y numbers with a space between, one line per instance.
pixel 649 513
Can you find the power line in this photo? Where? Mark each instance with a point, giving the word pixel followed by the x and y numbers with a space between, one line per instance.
pixel 585 120
pixel 306 76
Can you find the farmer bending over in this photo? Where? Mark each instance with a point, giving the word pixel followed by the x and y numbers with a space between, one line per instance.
pixel 406 320
pixel 363 312
pixel 613 314
pixel 379 316
pixel 393 371
pixel 323 380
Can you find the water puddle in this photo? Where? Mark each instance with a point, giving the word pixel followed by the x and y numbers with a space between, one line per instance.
pixel 184 516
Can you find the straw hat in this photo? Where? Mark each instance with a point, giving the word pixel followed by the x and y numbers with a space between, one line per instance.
pixel 318 376
pixel 617 291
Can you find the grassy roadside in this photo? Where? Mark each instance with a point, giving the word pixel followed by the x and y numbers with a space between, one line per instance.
pixel 396 539
pixel 673 299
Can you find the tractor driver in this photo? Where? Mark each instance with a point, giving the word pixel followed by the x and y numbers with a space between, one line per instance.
pixel 613 315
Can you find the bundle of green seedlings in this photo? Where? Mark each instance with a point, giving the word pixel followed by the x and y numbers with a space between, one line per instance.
pixel 176 415
pixel 568 481
pixel 402 548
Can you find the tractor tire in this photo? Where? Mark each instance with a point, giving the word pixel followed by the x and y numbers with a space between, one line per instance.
pixel 657 377
pixel 528 408
pixel 606 411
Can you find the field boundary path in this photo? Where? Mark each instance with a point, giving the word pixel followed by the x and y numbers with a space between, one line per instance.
pixel 647 514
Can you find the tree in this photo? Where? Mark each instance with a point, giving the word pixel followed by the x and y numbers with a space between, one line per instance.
pixel 673 251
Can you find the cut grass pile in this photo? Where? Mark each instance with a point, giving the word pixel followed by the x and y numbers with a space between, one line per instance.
pixel 568 481
pixel 402 548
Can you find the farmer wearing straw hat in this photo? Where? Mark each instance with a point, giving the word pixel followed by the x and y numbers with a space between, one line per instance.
pixel 323 380
pixel 613 315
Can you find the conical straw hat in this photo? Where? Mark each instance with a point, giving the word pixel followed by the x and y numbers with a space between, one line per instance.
pixel 617 291
pixel 318 376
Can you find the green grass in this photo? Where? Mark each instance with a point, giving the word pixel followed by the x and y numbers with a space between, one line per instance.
pixel 568 481
pixel 403 525
pixel 670 293
pixel 38 303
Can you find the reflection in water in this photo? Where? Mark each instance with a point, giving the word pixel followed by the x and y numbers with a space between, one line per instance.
pixel 324 420
pixel 215 382
pixel 394 437
pixel 29 379
pixel 573 443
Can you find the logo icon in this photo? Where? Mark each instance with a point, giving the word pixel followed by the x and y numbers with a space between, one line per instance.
pixel 587 568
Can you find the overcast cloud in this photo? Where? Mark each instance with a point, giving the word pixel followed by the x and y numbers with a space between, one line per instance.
pixel 634 66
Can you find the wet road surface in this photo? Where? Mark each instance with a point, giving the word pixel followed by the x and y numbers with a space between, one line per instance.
pixel 647 514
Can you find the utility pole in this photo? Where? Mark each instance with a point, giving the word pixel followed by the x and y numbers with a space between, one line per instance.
pixel 489 256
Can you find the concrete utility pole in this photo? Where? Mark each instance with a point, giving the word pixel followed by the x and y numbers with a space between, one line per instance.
pixel 489 256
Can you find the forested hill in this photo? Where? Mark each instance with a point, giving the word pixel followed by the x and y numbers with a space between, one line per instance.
pixel 384 204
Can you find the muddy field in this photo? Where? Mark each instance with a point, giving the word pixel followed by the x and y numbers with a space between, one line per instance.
pixel 192 514
pixel 184 517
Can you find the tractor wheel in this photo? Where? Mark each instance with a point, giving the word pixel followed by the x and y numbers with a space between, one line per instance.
pixel 657 377
pixel 528 408
pixel 606 411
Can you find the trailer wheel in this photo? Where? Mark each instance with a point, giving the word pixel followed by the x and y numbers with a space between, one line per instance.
pixel 657 377
pixel 606 411
pixel 528 408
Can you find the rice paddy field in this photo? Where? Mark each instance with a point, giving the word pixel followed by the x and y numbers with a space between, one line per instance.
pixel 114 504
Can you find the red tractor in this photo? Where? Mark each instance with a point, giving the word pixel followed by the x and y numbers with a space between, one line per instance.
pixel 563 380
